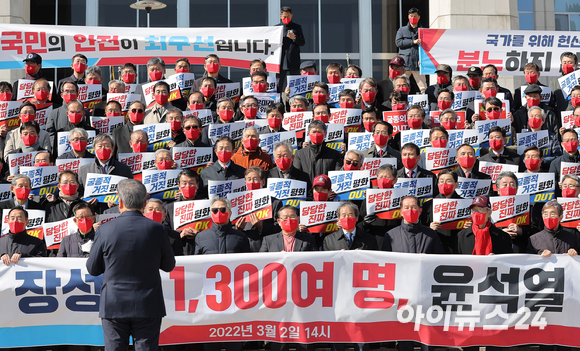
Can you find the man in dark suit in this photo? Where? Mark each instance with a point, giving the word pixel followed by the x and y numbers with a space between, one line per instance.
pixel 382 133
pixel 410 156
pixel 349 237
pixel 283 157
pixel 212 67
pixel 467 163
pixel 223 169
pixel 104 162
pixel 20 187
pixel 317 158
pixel 17 243
pixel 122 135
pixel 292 40
pixel 498 153
pixel 130 251
pixel 289 239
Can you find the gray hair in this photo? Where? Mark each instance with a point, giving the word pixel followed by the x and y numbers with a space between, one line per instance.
pixel 348 204
pixel 456 78
pixel 300 98
pixel 506 174
pixel 358 153
pixel 283 144
pixel 250 128
pixel 18 176
pixel 133 193
pixel 574 177
pixel 142 132
pixel 117 81
pixel 225 99
pixel 102 137
pixel 157 201
pixel 93 69
pixel 403 76
pixel 316 123
pixel 81 131
pixel 175 110
pixel 449 110
pixel 553 204
pixel 387 167
pixel 155 61
pixel 163 150
pixel 539 109
pixel 222 199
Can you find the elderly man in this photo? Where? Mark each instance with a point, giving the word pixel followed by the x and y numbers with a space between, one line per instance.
pixel 17 243
pixel 290 239
pixel 507 185
pixel 192 132
pixel 78 139
pixel 536 121
pixel 40 92
pixel 175 118
pixel 104 162
pixel 353 160
pixel 317 158
pixel 43 159
pixel 122 135
pixel 158 112
pixel 164 160
pixel 570 146
pixel 498 152
pixel 533 96
pixel 132 295
pixel 14 138
pixel 67 198
pixel 554 239
pixel 20 188
pixel 80 242
pixel 115 87
pixel 139 141
pixel 348 237
pixel 570 185
pixel 155 210
pixel 283 157
pixel 224 168
pixel 250 154
pixel 225 112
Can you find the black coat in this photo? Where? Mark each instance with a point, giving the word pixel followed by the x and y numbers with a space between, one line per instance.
pixel 372 152
pixel 71 155
pixel 421 173
pixel 122 136
pixel 221 239
pixel 338 241
pixel 475 174
pixel 22 243
pixel 175 241
pixel 409 51
pixel 501 242
pixel 59 210
pixel 275 243
pixel 216 172
pixel 412 238
pixel 70 246
pixel 290 59
pixel 556 165
pixel 11 203
pixel 507 157
pixel 558 241
pixel 315 160
pixel 295 174
pixel 552 124
pixel 130 251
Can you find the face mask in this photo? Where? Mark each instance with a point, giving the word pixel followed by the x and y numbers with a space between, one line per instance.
pixel 443 105
pixel 196 106
pixel 449 124
pixel 461 88
pixel 566 68
pixel 16 227
pixel 413 20
pixel 251 113
pixel 394 73
pixel 188 192
pixel 531 78
pixel 489 93
pixel 308 73
pixel 385 183
pixel 284 163
pixel 175 126
pixel 253 186
pixel 224 156
pixel 136 117
pixel 30 69
pixel 493 114
pixel 155 75
pixel 161 99
pixel 128 78
pixel 322 118
pixel 466 161
pixel 85 224
pixel 79 67
pixel 346 104
pixel 533 102
pixel 164 165
pixel 191 133
pixel 411 216
pixel 250 144
pixel 41 164
pixel 113 114
pixel 532 164
pixel 75 117
pixel 439 143
pixel 575 101
pixel 290 225
pixel 286 20
pixel 319 196
pixel 446 189
pixel 103 154
pixel 41 95
pixel 219 218
pixel 93 81
pixel 568 192
pixel 27 117
pixel 297 109
pixel 351 167
pixel 79 146
pixel 571 146
pixel 333 79
pixel 259 88
pixel 182 70
pixel 317 138
pixel 507 191
pixel 5 96
pixel 535 122
pixel 348 223
pixel 380 139
pixel 213 67
pixel 318 98
pixel 274 123
pixel 551 223
pixel 577 121
pixel 69 189
pixel 474 82
pixel 478 218
pixel 414 123
pixel 369 96
pixel 410 163
pixel 155 216
pixel 398 107
pixel 405 90
pixel 207 91
pixel 369 125
pixel 226 115
pixel 29 139
pixel 21 193
pixel 496 144
pixel 442 79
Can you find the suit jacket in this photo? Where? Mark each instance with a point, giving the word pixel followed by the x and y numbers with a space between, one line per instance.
pixel 412 238
pixel 421 173
pixel 22 243
pixel 338 241
pixel 507 157
pixel 315 160
pixel 501 242
pixel 58 121
pixel 122 136
pixel 197 83
pixel 475 174
pixel 130 251
pixel 71 155
pixel 115 168
pixel 216 172
pixel 275 243
pixel 290 59
pixel 11 203
pixel 372 152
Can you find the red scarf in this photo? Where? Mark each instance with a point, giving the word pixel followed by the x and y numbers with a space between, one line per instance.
pixel 482 240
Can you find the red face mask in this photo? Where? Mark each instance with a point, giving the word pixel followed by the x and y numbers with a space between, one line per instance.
pixel 318 98
pixel 213 68
pixel 414 123
pixel 507 191
pixel 399 107
pixel 333 79
pixel 446 189
pixel 226 115
pixel 79 146
pixel 155 75
pixel 411 216
pixel 155 216
pixel 284 163
pixel 79 67
pixel 535 122
pixel 571 146
pixel 405 90
pixel 575 101
pixel 41 95
pixel 253 186
pixel 474 82
pixel 290 225
pixel 194 107
pixel 319 196
pixel 274 123
pixel 531 78
pixel 380 139
pixel 442 79
pixel 322 118
pixel 286 20
pixel 443 105
pixel 297 109
pixel 104 154
pixel 369 125
pixel 466 161
pixel 369 96
pixel 251 144
pixel 219 218
pixel 188 192
pixel 5 96
pixel 16 227
pixel 496 144
pixel 75 117
pixel 461 88
pixel 21 193
pixel 30 69
pixel 259 88
pixel 348 223
pixel 224 156
pixel 493 114
pixel 439 143
pixel 85 224
pixel 191 134
pixel 207 91
pixel 533 102
pixel 136 117
pixel 489 93
pixel 93 81
pixel 346 104
pixel 551 223
pixel 175 126
pixel 384 183
pixel 164 165
pixel 113 114
pixel 351 167
pixel 317 138
pixel 394 73
pixel 41 164
pixel 182 70
pixel 161 99
pixel 251 113
pixel 410 163
pixel 69 189
pixel 308 73
pixel 478 218
pixel 566 68
pixel 449 124
pixel 532 164
pixel 29 139
pixel 129 78
pixel 567 192
pixel 27 117
pixel 413 20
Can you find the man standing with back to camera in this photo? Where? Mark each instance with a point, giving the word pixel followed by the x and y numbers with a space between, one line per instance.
pixel 129 251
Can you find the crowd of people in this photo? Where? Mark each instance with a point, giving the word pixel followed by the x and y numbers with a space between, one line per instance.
pixel 414 232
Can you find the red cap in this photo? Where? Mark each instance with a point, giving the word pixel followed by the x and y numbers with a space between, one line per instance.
pixel 322 180
pixel 480 201
pixel 397 61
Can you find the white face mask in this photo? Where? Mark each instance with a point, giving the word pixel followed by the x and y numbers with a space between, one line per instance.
pixel 86 247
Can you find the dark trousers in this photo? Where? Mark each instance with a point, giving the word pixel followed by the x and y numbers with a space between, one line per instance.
pixel 145 332
pixel 281 78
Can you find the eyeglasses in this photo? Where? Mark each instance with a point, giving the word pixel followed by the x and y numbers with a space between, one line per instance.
pixel 493 109
pixel 569 186
pixel 250 106
pixel 136 110
pixel 349 162
pixel 74 140
pixel 190 127
pixel 220 209
pixel 289 217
